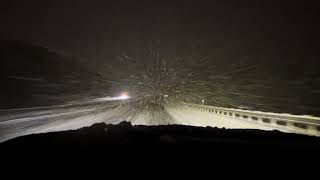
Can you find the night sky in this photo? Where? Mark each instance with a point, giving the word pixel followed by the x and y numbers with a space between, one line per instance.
pixel 253 54
pixel 95 29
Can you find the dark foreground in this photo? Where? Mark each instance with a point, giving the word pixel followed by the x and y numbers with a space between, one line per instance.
pixel 174 138
pixel 160 150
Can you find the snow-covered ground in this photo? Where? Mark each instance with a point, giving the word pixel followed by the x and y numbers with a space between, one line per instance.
pixel 77 117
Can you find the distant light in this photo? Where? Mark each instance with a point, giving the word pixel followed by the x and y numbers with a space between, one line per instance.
pixel 124 95
pixel 166 95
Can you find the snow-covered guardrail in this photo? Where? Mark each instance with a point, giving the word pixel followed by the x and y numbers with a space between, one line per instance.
pixel 302 124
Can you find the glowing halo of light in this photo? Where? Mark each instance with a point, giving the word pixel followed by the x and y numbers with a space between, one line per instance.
pixel 123 96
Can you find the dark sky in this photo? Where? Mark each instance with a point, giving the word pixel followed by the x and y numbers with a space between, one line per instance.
pixel 90 29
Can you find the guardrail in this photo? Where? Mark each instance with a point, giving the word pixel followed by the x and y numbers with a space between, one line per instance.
pixel 301 124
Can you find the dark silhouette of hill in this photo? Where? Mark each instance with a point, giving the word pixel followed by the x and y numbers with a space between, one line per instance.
pixel 36 76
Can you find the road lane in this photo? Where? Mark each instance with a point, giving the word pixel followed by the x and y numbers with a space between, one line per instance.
pixel 74 117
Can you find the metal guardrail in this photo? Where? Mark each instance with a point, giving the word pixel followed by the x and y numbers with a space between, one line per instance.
pixel 301 124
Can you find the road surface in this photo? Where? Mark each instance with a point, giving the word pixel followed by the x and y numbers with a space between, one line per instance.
pixel 20 122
